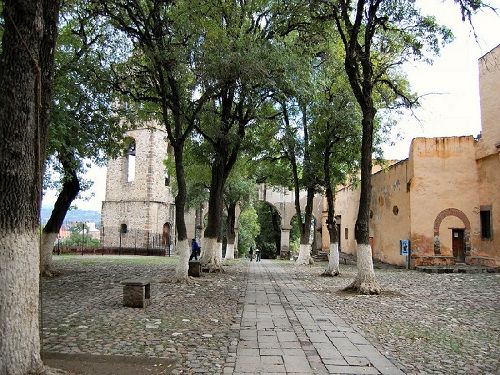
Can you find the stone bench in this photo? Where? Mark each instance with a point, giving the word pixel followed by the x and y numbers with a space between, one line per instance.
pixel 136 292
pixel 194 268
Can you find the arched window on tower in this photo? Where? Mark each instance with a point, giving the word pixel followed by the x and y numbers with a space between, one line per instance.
pixel 131 161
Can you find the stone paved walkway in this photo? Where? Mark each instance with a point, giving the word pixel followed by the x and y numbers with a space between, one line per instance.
pixel 285 329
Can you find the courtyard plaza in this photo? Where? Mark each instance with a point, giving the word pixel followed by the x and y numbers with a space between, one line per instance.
pixel 267 317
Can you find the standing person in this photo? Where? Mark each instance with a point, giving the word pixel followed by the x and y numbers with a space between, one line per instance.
pixel 195 248
pixel 257 254
pixel 250 253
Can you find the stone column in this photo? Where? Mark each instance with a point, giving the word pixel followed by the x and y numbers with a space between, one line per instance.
pixel 285 243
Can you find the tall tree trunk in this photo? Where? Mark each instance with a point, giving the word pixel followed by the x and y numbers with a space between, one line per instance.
pixel 70 190
pixel 214 223
pixel 231 234
pixel 276 220
pixel 305 231
pixel 28 43
pixel 333 256
pixel 183 248
pixel 365 281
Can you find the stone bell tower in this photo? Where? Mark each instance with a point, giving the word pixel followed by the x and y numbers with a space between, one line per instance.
pixel 138 211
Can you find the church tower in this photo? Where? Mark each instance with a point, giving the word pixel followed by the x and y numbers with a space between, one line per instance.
pixel 138 211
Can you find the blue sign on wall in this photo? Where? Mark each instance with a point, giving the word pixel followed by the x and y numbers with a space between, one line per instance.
pixel 404 247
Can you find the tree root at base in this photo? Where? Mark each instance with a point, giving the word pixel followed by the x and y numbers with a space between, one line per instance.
pixel 328 273
pixel 183 280
pixel 364 287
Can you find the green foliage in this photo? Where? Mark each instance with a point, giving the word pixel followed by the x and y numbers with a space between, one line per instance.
pixel 80 237
pixel 85 123
pixel 269 239
pixel 249 229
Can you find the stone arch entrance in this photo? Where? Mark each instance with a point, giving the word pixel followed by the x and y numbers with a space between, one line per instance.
pixel 270 240
pixel 437 223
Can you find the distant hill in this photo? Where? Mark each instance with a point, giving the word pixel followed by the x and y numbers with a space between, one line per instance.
pixel 74 215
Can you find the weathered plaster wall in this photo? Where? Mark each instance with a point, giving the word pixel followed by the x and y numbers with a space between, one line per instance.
pixel 444 178
pixel 390 213
pixel 346 206
pixel 489 94
pixel 489 196
pixel 488 154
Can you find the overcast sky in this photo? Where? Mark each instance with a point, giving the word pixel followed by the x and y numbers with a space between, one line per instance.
pixel 453 110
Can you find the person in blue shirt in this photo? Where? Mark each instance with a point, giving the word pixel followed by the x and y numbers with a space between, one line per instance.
pixel 195 249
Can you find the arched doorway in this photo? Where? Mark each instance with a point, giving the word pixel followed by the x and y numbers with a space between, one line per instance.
pixel 460 237
pixel 269 239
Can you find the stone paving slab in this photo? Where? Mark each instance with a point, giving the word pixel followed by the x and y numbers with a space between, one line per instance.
pixel 435 324
pixel 291 331
pixel 186 324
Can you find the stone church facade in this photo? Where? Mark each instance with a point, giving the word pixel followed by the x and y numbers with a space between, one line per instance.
pixel 444 199
pixel 139 211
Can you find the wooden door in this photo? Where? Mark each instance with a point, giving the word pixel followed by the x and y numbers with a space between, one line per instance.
pixel 458 244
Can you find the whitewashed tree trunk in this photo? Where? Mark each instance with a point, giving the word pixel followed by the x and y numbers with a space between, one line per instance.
pixel 19 293
pixel 365 280
pixel 47 246
pixel 219 252
pixel 210 257
pixel 229 251
pixel 181 270
pixel 333 261
pixel 304 255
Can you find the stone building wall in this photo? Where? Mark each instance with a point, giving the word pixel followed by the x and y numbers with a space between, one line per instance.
pixel 488 154
pixel 489 198
pixel 346 211
pixel 387 228
pixel 145 204
pixel 443 197
pixel 390 213
pixel 489 95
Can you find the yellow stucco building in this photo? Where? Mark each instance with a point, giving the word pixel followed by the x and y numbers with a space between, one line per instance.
pixel 444 199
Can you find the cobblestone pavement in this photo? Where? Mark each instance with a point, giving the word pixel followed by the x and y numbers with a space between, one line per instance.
pixel 82 312
pixel 428 323
pixel 285 329
pixel 424 323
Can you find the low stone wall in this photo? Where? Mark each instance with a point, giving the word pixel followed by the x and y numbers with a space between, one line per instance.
pixel 483 261
pixel 113 251
pixel 429 260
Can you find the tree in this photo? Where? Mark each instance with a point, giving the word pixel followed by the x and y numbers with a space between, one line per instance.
pixel 26 71
pixel 238 193
pixel 269 238
pixel 340 149
pixel 336 135
pixel 378 37
pixel 162 75
pixel 239 63
pixel 249 229
pixel 80 237
pixel 84 124
pixel 299 150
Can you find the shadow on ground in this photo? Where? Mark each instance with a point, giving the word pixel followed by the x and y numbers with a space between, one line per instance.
pixel 86 364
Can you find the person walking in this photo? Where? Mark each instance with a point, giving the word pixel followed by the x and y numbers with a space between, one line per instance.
pixel 250 253
pixel 195 248
pixel 257 254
